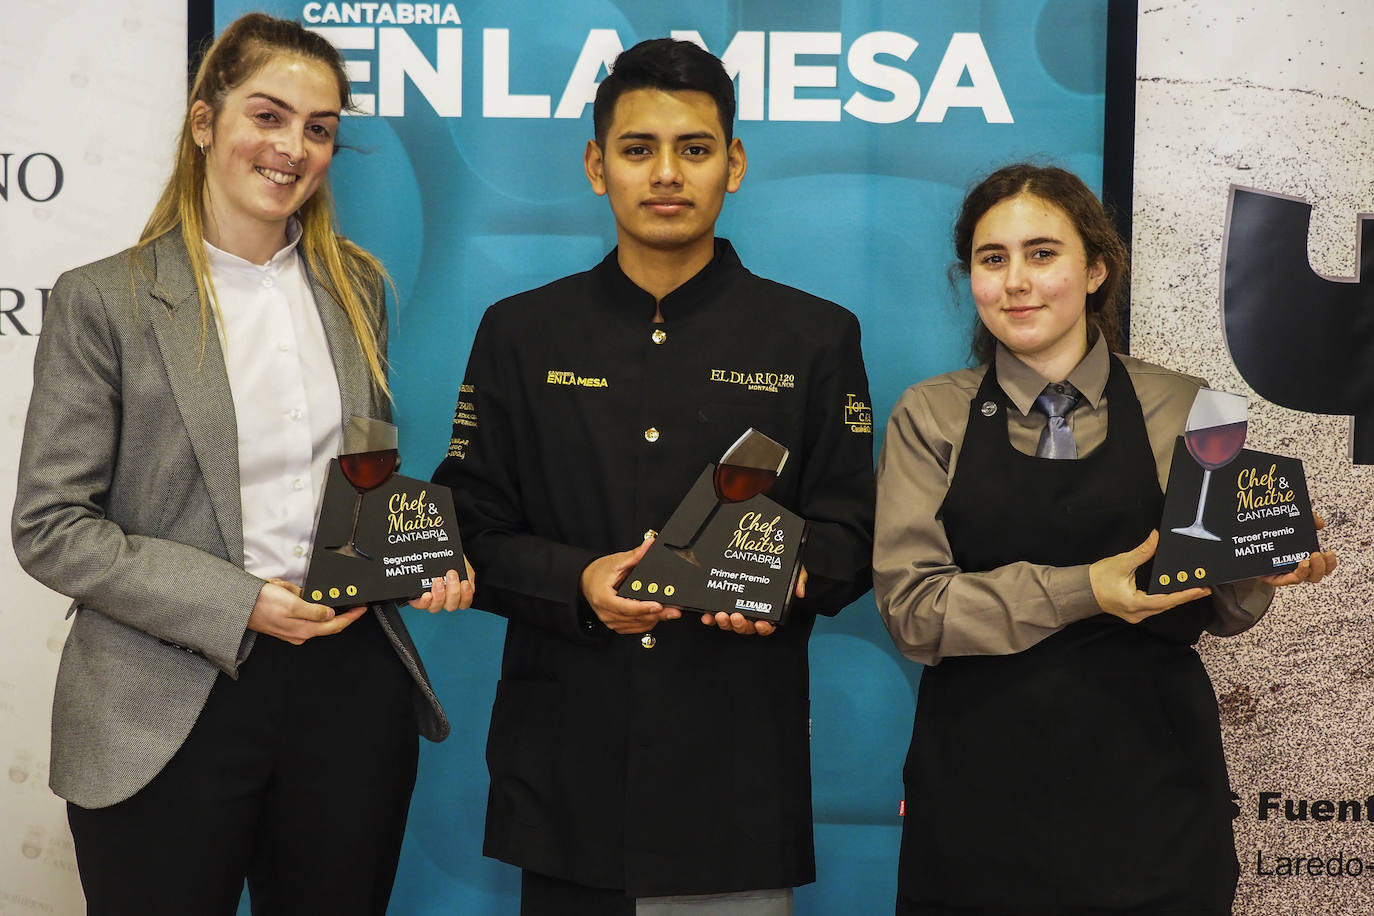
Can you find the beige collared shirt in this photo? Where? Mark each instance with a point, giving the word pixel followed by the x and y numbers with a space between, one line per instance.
pixel 934 609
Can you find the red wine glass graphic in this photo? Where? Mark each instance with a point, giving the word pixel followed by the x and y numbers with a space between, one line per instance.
pixel 368 459
pixel 1214 435
pixel 747 469
pixel 735 483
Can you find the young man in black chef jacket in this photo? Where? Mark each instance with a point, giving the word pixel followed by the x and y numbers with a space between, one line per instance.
pixel 640 753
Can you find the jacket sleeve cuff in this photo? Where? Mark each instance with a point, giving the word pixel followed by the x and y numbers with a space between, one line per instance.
pixel 231 646
pixel 1072 592
pixel 589 626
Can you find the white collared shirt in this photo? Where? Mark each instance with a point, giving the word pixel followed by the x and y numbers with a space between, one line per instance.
pixel 286 402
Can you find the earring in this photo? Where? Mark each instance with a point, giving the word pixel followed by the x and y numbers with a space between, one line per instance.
pixel 202 147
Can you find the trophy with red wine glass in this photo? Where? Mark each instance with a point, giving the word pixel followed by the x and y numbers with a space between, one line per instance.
pixel 379 536
pixel 727 546
pixel 1258 521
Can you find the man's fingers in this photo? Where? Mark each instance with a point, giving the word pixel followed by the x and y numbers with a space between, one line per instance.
pixel 626 615
pixel 630 558
pixel 632 607
pixel 737 623
pixel 719 619
pixel 622 563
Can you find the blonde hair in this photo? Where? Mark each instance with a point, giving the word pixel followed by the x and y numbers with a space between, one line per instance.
pixel 342 267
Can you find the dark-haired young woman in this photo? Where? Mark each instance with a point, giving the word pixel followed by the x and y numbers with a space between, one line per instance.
pixel 1066 756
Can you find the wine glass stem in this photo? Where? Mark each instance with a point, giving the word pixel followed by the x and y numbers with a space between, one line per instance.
pixel 1202 497
pixel 357 507
pixel 702 527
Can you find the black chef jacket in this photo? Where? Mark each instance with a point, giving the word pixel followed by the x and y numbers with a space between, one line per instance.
pixel 680 764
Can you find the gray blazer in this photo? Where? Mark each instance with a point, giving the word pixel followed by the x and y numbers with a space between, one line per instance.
pixel 128 501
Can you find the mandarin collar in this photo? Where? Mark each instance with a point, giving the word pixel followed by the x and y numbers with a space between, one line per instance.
pixel 1023 384
pixel 692 297
pixel 223 260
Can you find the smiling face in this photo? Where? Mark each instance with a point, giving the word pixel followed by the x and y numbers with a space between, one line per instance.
pixel 266 152
pixel 1030 278
pixel 665 169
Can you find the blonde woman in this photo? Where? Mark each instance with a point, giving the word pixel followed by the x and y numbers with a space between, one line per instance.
pixel 209 724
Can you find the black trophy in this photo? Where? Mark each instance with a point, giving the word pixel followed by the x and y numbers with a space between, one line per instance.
pixel 1257 521
pixel 727 546
pixel 378 536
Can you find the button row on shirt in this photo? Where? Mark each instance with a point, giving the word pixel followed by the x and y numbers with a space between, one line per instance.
pixel 651 435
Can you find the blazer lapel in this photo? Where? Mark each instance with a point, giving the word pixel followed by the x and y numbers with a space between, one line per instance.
pixel 199 383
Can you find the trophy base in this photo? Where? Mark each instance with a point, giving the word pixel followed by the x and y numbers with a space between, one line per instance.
pixel 1196 531
pixel 349 550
